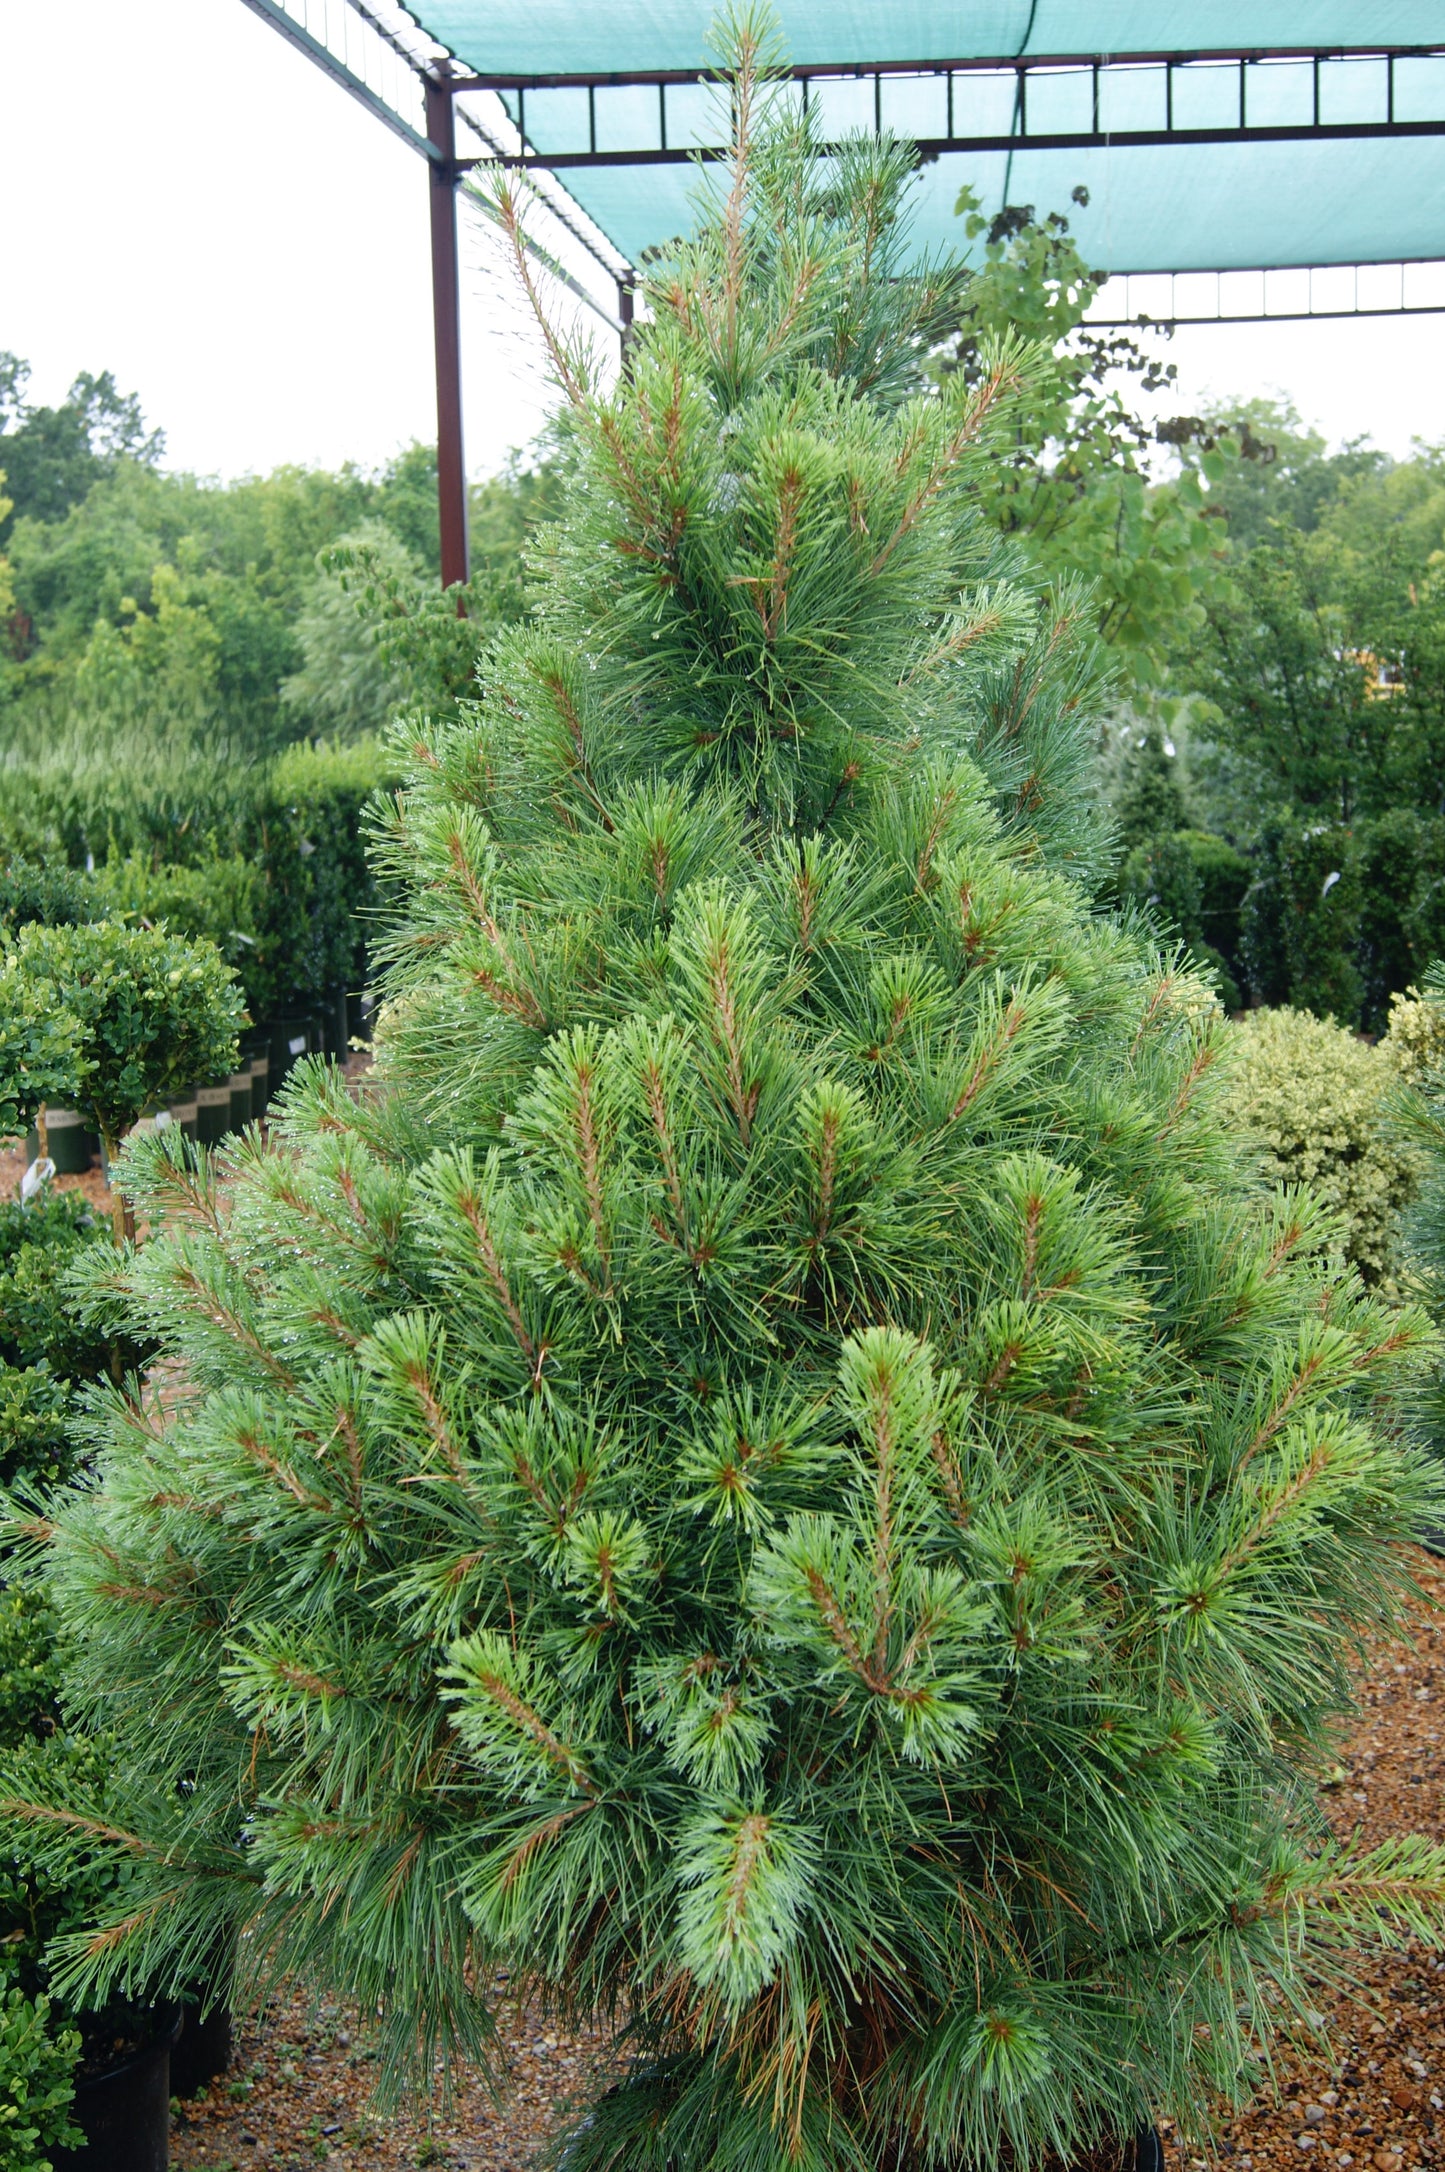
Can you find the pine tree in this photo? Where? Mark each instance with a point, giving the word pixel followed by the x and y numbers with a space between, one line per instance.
pixel 1151 803
pixel 774 1480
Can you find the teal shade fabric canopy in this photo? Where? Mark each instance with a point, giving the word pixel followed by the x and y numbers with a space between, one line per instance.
pixel 1184 208
pixel 534 38
pixel 1204 135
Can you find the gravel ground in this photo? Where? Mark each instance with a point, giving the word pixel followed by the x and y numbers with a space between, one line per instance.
pixel 1377 2104
pixel 93 1184
pixel 296 2095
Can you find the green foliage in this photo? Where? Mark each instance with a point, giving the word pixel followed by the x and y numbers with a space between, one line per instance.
pixel 217 901
pixel 1160 874
pixel 155 1013
pixel 1322 660
pixel 7 586
pixel 52 456
pixel 1167 875
pixel 1150 802
pixel 36 1420
pixel 37 2066
pixel 273 872
pixel 1288 687
pixel 1415 1038
pixel 1312 1100
pixel 1416 1044
pixel 1402 907
pixel 39 1326
pixel 30 1669
pixel 1300 920
pixel 1223 876
pixel 348 684
pixel 1076 485
pixel 198 615
pixel 30 890
pixel 39 1047
pixel 1284 476
pixel 776 1480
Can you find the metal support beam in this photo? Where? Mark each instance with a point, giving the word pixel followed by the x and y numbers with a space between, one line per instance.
pixel 274 13
pixel 931 147
pixel 1277 294
pixel 1080 102
pixel 977 64
pixel 447 331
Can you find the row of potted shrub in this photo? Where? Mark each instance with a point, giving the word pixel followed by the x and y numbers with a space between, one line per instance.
pixel 209 1112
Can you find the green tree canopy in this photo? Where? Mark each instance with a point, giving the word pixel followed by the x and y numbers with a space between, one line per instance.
pixel 1079 486
pixel 53 455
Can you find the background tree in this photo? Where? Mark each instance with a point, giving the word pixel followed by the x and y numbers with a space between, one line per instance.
pixel 192 613
pixel 777 1481
pixel 1083 486
pixel 55 454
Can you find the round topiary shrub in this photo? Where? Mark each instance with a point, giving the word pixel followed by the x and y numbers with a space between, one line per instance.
pixel 1313 1101
pixel 778 1481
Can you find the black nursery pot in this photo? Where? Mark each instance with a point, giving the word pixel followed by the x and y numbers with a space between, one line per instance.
pixel 124 2110
pixel 290 1040
pixel 1144 2154
pixel 202 2051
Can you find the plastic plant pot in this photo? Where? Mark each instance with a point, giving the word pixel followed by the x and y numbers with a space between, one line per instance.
pixel 290 1039
pixel 124 2110
pixel 203 2049
pixel 71 1147
pixel 260 1070
pixel 213 1112
pixel 183 1115
pixel 240 1084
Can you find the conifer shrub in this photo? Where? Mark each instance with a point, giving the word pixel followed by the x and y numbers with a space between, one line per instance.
pixel 1313 1101
pixel 1300 920
pixel 780 1481
pixel 1223 876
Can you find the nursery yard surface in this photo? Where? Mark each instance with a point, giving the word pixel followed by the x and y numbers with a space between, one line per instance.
pixel 297 2094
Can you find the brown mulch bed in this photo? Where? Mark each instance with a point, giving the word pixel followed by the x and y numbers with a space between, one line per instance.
pixel 297 2094
pixel 1377 2104
pixel 12 1168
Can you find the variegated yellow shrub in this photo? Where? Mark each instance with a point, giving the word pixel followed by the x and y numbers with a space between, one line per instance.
pixel 1312 1099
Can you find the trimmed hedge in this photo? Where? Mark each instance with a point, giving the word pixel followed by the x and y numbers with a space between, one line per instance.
pixel 1311 1101
pixel 269 862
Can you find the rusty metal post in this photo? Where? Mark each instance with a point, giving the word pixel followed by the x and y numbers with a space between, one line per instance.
pixel 447 330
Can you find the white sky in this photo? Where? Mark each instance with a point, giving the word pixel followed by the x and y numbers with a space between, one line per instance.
pixel 192 205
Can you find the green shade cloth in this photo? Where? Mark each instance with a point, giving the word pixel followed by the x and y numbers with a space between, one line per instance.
pixel 1173 206
pixel 1184 208
pixel 630 37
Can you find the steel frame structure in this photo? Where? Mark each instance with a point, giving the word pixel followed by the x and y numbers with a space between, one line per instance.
pixel 373 50
pixel 1026 84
